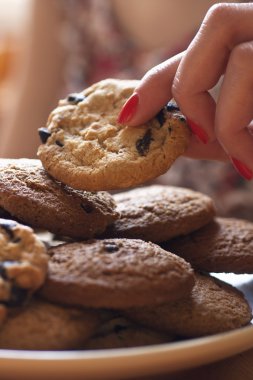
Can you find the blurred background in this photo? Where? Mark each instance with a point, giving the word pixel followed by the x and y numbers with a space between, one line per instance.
pixel 14 15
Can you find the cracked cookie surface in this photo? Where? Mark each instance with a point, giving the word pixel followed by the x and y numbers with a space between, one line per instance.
pixel 212 307
pixel 115 273
pixel 31 196
pixel 44 326
pixel 85 147
pixel 224 245
pixel 158 213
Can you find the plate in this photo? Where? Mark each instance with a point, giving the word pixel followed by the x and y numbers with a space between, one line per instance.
pixel 139 361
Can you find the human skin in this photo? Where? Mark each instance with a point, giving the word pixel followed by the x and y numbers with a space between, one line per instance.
pixel 223 46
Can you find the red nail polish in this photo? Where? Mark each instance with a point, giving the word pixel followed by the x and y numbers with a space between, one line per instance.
pixel 128 109
pixel 198 131
pixel 242 169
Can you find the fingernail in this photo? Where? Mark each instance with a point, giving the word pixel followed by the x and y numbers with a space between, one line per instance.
pixel 129 109
pixel 198 131
pixel 242 169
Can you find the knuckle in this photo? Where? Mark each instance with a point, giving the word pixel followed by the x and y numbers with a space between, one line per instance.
pixel 154 73
pixel 217 13
pixel 222 135
pixel 242 54
pixel 179 92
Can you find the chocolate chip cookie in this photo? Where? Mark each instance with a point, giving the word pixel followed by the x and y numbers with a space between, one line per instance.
pixel 85 147
pixel 157 213
pixel 224 245
pixel 212 307
pixel 115 273
pixel 44 326
pixel 23 262
pixel 30 195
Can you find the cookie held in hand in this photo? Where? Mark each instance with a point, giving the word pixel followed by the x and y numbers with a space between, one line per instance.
pixel 85 147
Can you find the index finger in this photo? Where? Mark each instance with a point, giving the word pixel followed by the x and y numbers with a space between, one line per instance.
pixel 224 26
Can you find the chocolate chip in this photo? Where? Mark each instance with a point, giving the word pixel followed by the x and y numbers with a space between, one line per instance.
pixel 111 247
pixel 7 226
pixel 44 134
pixel 87 208
pixel 18 296
pixel 143 144
pixel 59 143
pixel 75 98
pixel 161 117
pixel 3 272
pixel 172 106
pixel 4 268
pixel 119 328
pixel 170 129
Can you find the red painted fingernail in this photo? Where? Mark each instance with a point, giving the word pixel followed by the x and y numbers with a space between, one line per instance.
pixel 129 109
pixel 242 169
pixel 198 131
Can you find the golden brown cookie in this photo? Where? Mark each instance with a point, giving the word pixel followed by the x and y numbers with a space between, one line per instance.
pixel 34 198
pixel 120 332
pixel 85 147
pixel 115 273
pixel 224 245
pixel 23 262
pixel 157 213
pixel 212 307
pixel 44 326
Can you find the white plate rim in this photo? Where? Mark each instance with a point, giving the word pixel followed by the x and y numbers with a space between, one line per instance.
pixel 138 360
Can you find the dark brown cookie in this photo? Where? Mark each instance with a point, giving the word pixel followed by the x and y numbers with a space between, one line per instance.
pixel 115 273
pixel 120 332
pixel 213 307
pixel 224 245
pixel 157 213
pixel 31 196
pixel 44 326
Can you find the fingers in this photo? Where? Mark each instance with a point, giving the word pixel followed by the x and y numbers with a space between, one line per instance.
pixel 234 112
pixel 152 94
pixel 222 47
pixel 224 27
pixel 210 151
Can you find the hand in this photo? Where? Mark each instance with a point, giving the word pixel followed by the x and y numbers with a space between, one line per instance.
pixel 223 46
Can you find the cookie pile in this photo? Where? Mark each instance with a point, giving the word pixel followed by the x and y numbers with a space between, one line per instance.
pixel 81 268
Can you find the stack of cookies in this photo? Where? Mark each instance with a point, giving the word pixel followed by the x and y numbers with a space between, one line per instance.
pixel 82 268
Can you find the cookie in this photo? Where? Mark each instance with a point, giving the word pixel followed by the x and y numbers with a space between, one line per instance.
pixel 44 326
pixel 121 333
pixel 115 273
pixel 224 245
pixel 34 198
pixel 157 213
pixel 3 311
pixel 23 262
pixel 213 307
pixel 85 147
